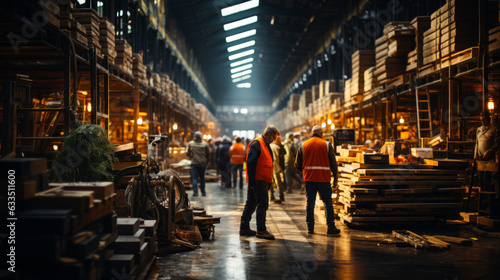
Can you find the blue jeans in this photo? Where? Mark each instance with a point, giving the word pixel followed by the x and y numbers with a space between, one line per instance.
pixel 237 168
pixel 325 192
pixel 257 198
pixel 198 172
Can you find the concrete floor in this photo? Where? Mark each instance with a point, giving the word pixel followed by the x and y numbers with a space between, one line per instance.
pixel 295 254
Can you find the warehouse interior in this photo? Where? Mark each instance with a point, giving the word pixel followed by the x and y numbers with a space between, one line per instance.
pixel 102 100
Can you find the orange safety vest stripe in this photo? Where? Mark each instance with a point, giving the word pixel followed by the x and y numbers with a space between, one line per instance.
pixel 237 153
pixel 264 170
pixel 315 161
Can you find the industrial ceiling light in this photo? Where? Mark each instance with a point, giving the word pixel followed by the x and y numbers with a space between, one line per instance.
pixel 332 126
pixel 401 120
pixel 241 68
pixel 241 35
pixel 55 147
pixel 246 72
pixel 240 23
pixel 329 121
pixel 323 125
pixel 272 20
pixel 242 78
pixel 139 121
pixel 89 107
pixel 241 46
pixel 175 126
pixel 239 8
pixel 241 54
pixel 244 111
pixel 244 85
pixel 491 104
pixel 236 110
pixel 241 62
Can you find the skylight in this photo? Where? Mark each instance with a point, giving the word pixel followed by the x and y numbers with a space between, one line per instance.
pixel 239 8
pixel 241 35
pixel 244 67
pixel 241 74
pixel 239 23
pixel 241 54
pixel 241 46
pixel 242 78
pixel 237 63
pixel 244 85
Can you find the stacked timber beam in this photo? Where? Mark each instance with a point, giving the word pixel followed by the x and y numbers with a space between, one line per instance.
pixel 139 69
pixel 123 55
pixel 107 38
pixel 361 60
pixel 415 57
pixel 90 19
pixel 379 192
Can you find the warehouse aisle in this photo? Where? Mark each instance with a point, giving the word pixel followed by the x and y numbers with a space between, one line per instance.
pixel 295 254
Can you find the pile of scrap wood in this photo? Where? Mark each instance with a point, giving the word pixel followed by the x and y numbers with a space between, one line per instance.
pixel 428 242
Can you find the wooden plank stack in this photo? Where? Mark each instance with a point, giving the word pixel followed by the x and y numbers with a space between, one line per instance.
pixel 76 31
pixel 361 60
pixel 347 90
pixel 89 18
pixel 396 193
pixel 165 85
pixel 415 57
pixel 123 55
pixel 369 79
pixel 205 223
pixel 293 102
pixel 156 82
pixel 107 38
pixel 139 69
pixel 494 39
pixel 51 12
pixel 459 24
pixel 431 41
pixel 392 50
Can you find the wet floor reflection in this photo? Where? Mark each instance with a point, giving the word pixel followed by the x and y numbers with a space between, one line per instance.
pixel 295 254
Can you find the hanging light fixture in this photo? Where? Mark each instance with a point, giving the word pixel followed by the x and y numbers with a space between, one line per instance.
pixel 329 121
pixel 175 126
pixel 89 107
pixel 139 121
pixel 401 120
pixel 332 126
pixel 491 104
pixel 323 125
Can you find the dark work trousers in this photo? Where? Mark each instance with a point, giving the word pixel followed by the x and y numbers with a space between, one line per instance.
pixel 235 169
pixel 291 174
pixel 198 172
pixel 225 174
pixel 325 192
pixel 257 198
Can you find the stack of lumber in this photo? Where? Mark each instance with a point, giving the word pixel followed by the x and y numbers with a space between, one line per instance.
pixel 107 38
pixel 494 39
pixel 68 227
pixel 89 18
pixel 394 46
pixel 459 24
pixel 156 82
pixel 329 86
pixel 431 46
pixel 165 85
pixel 347 90
pixel 139 69
pixel 398 193
pixel 205 223
pixel 71 26
pixel 123 55
pixel 361 60
pixel 415 57
pixel 369 79
pixel 305 100
pixel 133 254
pixel 293 102
pixel 51 12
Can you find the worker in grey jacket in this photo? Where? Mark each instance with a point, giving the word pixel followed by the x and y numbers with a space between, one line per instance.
pixel 198 151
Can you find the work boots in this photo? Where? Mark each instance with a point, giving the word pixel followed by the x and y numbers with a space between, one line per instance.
pixel 333 230
pixel 265 235
pixel 247 232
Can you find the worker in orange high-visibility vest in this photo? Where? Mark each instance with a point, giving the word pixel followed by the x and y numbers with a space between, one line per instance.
pixel 259 178
pixel 237 156
pixel 316 160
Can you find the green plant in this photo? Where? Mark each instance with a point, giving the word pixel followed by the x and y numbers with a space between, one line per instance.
pixel 87 156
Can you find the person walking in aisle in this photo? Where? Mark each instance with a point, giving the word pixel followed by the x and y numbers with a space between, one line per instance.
pixel 278 168
pixel 316 159
pixel 237 155
pixel 259 178
pixel 198 152
pixel 291 172
pixel 225 162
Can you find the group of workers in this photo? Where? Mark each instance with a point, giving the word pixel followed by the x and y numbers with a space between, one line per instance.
pixel 270 162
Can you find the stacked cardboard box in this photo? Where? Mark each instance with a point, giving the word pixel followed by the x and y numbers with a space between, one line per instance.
pixel 361 60
pixel 89 18
pixel 139 69
pixel 107 38
pixel 347 92
pixel 123 55
pixel 415 57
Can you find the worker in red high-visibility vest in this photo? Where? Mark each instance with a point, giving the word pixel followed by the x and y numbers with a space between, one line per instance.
pixel 259 178
pixel 237 156
pixel 316 160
